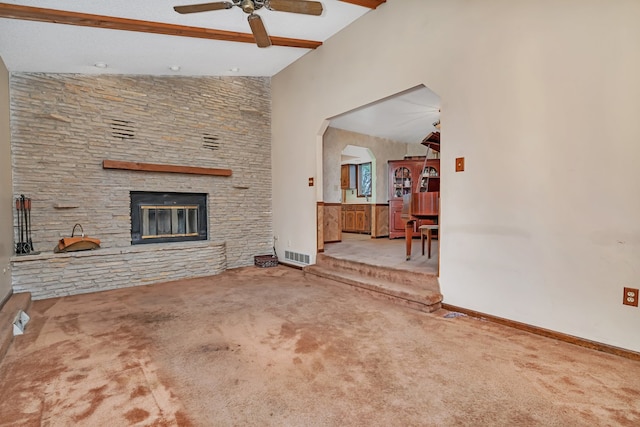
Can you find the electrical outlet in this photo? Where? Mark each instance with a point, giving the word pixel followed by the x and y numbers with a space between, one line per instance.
pixel 630 297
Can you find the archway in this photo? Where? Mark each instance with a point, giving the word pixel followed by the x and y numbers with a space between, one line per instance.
pixel 389 129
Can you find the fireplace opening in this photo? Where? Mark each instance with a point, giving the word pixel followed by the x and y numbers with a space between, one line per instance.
pixel 158 217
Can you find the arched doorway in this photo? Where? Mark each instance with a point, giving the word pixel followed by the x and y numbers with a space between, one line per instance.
pixel 389 129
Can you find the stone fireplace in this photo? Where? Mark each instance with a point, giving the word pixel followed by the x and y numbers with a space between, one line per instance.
pixel 62 130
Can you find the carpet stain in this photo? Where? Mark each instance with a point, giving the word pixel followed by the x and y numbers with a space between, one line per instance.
pixel 182 420
pixel 76 378
pixel 69 324
pixel 85 355
pixel 568 381
pixel 95 396
pixel 148 318
pixel 631 391
pixel 288 330
pixel 212 348
pixel 625 417
pixel 307 343
pixel 140 391
pixel 136 415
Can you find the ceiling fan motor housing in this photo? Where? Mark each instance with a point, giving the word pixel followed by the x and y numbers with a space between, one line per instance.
pixel 249 6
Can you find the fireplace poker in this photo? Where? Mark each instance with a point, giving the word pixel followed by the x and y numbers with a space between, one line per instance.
pixel 29 242
pixel 21 235
pixel 24 244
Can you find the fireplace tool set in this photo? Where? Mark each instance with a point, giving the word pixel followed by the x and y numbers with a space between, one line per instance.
pixel 24 244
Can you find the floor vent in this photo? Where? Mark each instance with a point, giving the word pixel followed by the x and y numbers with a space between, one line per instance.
pixel 296 257
pixel 210 142
pixel 122 129
pixel 20 323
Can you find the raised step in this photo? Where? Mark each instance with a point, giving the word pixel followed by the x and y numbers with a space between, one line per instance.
pixel 419 291
pixel 8 312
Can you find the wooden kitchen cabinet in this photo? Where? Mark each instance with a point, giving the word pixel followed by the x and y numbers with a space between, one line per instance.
pixel 356 218
pixel 347 177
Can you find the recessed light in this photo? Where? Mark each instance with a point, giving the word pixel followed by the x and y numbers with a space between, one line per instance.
pixel 234 69
pixel 101 65
pixel 174 68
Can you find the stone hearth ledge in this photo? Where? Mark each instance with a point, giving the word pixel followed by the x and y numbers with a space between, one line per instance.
pixel 152 247
pixel 49 275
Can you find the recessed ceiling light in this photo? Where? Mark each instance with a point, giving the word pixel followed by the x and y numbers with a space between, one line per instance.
pixel 101 65
pixel 234 69
pixel 174 68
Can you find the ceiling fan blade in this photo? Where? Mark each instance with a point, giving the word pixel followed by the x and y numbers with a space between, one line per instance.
pixel 203 7
pixel 259 31
pixel 295 6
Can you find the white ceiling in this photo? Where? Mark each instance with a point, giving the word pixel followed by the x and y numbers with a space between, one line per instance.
pixel 405 117
pixel 27 46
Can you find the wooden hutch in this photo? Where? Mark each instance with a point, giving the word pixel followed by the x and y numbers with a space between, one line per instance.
pixel 407 176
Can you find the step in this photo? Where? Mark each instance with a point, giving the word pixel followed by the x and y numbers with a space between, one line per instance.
pixel 419 291
pixel 8 312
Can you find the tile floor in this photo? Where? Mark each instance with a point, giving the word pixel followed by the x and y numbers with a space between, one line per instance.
pixel 384 252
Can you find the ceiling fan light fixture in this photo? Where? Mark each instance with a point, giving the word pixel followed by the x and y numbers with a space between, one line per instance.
pixel 247 6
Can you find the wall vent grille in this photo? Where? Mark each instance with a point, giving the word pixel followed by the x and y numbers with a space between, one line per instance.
pixel 296 257
pixel 122 129
pixel 210 142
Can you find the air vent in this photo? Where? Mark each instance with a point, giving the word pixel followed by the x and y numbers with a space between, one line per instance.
pixel 210 142
pixel 296 257
pixel 122 129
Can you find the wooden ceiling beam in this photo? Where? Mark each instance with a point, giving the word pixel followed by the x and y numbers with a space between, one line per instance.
pixel 54 16
pixel 371 4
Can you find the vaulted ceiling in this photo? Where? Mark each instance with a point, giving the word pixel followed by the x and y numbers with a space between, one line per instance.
pixel 149 37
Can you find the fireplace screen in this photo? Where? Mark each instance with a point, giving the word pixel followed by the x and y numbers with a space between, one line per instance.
pixel 167 217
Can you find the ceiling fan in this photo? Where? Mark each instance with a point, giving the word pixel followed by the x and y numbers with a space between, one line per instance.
pixel 250 6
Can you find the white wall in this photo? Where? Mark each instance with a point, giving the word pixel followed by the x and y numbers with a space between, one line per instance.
pixel 541 99
pixel 334 142
pixel 6 197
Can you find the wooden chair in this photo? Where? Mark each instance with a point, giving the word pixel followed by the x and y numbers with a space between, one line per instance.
pixel 425 230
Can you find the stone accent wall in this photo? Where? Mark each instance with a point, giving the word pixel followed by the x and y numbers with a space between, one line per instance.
pixel 62 130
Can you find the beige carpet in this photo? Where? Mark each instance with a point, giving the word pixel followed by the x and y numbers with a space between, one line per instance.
pixel 271 347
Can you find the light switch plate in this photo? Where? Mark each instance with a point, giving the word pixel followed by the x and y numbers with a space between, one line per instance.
pixel 459 164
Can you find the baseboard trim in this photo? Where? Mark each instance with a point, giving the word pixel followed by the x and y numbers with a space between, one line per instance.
pixel 6 298
pixel 606 348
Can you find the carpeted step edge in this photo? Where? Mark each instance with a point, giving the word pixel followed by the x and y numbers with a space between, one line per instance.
pixel 378 272
pixel 427 302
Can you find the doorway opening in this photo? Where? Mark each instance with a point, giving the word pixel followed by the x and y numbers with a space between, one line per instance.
pixel 389 130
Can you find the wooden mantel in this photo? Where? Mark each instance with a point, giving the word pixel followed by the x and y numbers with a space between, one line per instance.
pixel 154 167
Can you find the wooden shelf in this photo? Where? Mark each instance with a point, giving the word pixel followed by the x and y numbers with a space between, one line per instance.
pixel 153 167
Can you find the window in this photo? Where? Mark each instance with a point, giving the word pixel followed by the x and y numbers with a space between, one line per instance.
pixel 364 180
pixel 167 217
